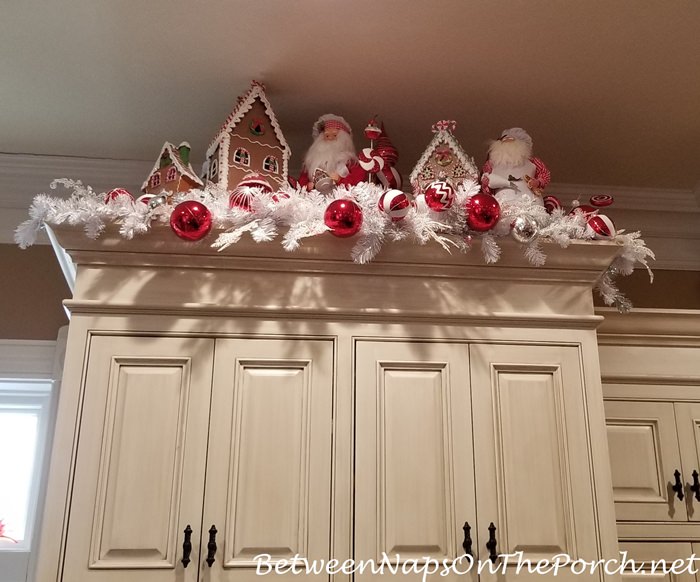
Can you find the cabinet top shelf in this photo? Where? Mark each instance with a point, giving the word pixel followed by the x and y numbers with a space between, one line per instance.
pixel 159 269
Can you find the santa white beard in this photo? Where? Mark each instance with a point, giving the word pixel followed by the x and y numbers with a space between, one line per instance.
pixel 509 153
pixel 331 156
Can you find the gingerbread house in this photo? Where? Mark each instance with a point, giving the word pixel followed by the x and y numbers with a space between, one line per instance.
pixel 443 159
pixel 249 142
pixel 172 171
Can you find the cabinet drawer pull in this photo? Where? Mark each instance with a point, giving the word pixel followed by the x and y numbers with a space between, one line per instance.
pixel 695 487
pixel 491 544
pixel 467 544
pixel 678 487
pixel 186 547
pixel 211 546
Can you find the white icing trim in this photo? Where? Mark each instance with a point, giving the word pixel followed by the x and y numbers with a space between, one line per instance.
pixel 185 170
pixel 447 138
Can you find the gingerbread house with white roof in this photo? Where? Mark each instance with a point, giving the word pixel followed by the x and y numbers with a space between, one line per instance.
pixel 172 171
pixel 443 159
pixel 249 142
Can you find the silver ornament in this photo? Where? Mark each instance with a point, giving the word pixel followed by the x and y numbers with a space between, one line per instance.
pixel 325 185
pixel 157 201
pixel 524 229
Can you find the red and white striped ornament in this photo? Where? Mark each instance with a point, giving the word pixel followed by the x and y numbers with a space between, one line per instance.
pixel 395 204
pixel 601 200
pixel 242 197
pixel 600 227
pixel 145 198
pixel 439 196
pixel 116 193
pixel 370 160
pixel 551 203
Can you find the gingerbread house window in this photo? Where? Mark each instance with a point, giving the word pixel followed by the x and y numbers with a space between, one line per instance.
pixel 214 168
pixel 155 180
pixel 172 174
pixel 241 156
pixel 270 164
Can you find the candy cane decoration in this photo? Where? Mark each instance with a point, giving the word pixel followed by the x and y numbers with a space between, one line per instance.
pixel 370 161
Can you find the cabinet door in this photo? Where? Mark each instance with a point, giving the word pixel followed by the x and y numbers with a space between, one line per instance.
pixel 688 423
pixel 269 462
pixel 644 454
pixel 533 475
pixel 139 471
pixel 414 480
pixel 649 560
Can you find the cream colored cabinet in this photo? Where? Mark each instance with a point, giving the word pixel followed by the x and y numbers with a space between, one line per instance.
pixel 667 562
pixel 654 460
pixel 168 425
pixel 488 434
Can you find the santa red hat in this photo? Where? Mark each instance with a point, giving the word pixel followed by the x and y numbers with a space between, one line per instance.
pixel 330 120
pixel 517 133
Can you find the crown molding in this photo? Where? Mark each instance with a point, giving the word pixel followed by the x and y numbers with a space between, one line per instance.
pixel 667 218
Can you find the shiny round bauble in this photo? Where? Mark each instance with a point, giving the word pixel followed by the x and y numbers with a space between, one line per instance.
pixel 116 193
pixel 524 229
pixel 343 217
pixel 240 198
pixel 600 227
pixel 157 201
pixel 255 181
pixel 483 212
pixel 370 161
pixel 601 200
pixel 395 204
pixel 551 203
pixel 439 196
pixel 190 220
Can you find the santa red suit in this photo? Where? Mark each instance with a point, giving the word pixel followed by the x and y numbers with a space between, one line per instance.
pixel 511 171
pixel 332 155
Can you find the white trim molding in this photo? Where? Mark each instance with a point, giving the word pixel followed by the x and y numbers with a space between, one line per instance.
pixel 668 219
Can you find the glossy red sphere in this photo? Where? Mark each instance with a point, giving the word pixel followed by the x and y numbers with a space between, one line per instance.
pixel 190 220
pixel 483 212
pixel 343 217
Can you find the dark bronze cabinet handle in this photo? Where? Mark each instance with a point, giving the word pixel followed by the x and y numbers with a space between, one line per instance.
pixel 695 487
pixel 467 544
pixel 678 487
pixel 211 546
pixel 491 544
pixel 186 547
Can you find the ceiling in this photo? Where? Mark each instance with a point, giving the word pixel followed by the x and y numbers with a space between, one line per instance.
pixel 609 91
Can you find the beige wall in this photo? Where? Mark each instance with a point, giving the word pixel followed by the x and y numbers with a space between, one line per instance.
pixel 33 288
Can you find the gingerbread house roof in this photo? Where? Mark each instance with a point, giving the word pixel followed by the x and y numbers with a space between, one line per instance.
pixel 183 167
pixel 443 136
pixel 245 103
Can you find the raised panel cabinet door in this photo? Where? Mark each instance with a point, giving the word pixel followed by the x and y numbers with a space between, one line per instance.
pixel 414 479
pixel 269 482
pixel 139 470
pixel 688 424
pixel 534 479
pixel 659 562
pixel 644 456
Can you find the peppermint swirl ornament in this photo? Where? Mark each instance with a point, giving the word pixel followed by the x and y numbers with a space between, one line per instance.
pixel 395 204
pixel 370 161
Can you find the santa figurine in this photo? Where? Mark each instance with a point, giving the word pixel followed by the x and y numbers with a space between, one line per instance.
pixel 511 173
pixel 331 160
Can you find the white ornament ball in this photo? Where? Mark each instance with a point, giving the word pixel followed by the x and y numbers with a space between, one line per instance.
pixel 524 229
pixel 395 204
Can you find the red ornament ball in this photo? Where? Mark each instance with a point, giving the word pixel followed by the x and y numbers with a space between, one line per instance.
pixel 116 193
pixel 551 203
pixel 439 196
pixel 343 217
pixel 600 227
pixel 190 220
pixel 395 204
pixel 483 212
pixel 584 209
